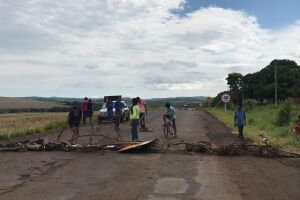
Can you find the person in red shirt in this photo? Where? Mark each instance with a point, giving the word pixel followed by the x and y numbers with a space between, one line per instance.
pixel 143 112
pixel 84 109
pixel 89 112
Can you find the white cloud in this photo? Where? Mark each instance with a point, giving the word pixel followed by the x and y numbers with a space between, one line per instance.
pixel 132 47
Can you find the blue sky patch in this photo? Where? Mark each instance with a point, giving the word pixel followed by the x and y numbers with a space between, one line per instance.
pixel 270 14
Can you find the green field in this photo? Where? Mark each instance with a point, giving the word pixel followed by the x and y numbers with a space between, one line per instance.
pixel 15 125
pixel 262 120
pixel 22 103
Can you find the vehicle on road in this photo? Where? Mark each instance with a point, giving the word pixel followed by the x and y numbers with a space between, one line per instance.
pixel 103 114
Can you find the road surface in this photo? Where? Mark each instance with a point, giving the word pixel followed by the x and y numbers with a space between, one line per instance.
pixel 153 176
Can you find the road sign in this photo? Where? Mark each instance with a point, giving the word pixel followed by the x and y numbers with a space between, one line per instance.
pixel 209 101
pixel 225 98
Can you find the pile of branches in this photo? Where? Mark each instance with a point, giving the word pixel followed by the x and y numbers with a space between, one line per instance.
pixel 238 149
pixel 234 149
pixel 45 145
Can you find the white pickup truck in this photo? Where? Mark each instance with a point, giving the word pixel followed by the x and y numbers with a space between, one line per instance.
pixel 103 114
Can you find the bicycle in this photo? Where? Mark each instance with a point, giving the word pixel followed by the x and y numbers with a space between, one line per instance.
pixel 169 131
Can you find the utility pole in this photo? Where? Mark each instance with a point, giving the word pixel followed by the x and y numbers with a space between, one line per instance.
pixel 242 90
pixel 275 82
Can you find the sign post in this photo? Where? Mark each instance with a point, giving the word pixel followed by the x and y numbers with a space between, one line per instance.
pixel 209 101
pixel 225 98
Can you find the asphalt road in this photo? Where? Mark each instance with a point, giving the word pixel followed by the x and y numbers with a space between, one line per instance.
pixel 153 176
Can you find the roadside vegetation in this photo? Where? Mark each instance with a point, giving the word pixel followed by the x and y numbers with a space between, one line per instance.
pixel 256 93
pixel 25 103
pixel 262 121
pixel 16 125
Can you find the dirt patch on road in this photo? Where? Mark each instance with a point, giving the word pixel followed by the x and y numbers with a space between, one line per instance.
pixel 218 133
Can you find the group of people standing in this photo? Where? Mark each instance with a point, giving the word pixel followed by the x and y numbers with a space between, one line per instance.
pixel 87 110
pixel 138 112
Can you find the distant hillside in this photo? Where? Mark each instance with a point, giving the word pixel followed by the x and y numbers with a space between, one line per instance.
pixel 173 100
pixel 178 101
pixel 55 99
pixel 25 103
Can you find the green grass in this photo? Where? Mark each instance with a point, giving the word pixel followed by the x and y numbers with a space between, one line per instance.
pixel 23 103
pixel 16 125
pixel 151 107
pixel 262 120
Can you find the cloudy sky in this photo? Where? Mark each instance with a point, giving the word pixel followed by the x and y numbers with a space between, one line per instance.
pixel 147 48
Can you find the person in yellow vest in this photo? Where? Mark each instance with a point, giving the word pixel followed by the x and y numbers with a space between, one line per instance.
pixel 134 117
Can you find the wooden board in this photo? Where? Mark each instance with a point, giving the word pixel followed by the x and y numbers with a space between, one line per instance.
pixel 147 129
pixel 136 146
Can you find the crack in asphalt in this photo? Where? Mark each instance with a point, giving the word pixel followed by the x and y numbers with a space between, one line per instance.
pixel 29 177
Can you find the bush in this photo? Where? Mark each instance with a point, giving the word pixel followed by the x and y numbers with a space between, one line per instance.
pixel 284 114
pixel 16 134
pixel 54 125
pixel 282 132
pixel 250 121
pixel 230 106
pixel 3 136
pixel 248 105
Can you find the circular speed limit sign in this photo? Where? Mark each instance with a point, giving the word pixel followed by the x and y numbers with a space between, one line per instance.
pixel 225 98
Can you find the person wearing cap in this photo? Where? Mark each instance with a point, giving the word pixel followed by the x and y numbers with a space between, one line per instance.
pixel 240 120
pixel 84 109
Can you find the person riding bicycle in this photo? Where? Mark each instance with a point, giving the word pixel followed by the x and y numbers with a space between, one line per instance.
pixel 170 114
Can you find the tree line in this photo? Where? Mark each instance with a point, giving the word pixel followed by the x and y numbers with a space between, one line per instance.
pixel 261 85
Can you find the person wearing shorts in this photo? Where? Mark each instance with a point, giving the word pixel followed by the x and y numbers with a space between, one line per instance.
pixel 143 111
pixel 84 109
pixel 89 112
pixel 170 114
pixel 118 105
pixel 74 119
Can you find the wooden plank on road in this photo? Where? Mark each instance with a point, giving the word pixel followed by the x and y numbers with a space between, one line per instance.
pixel 137 146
